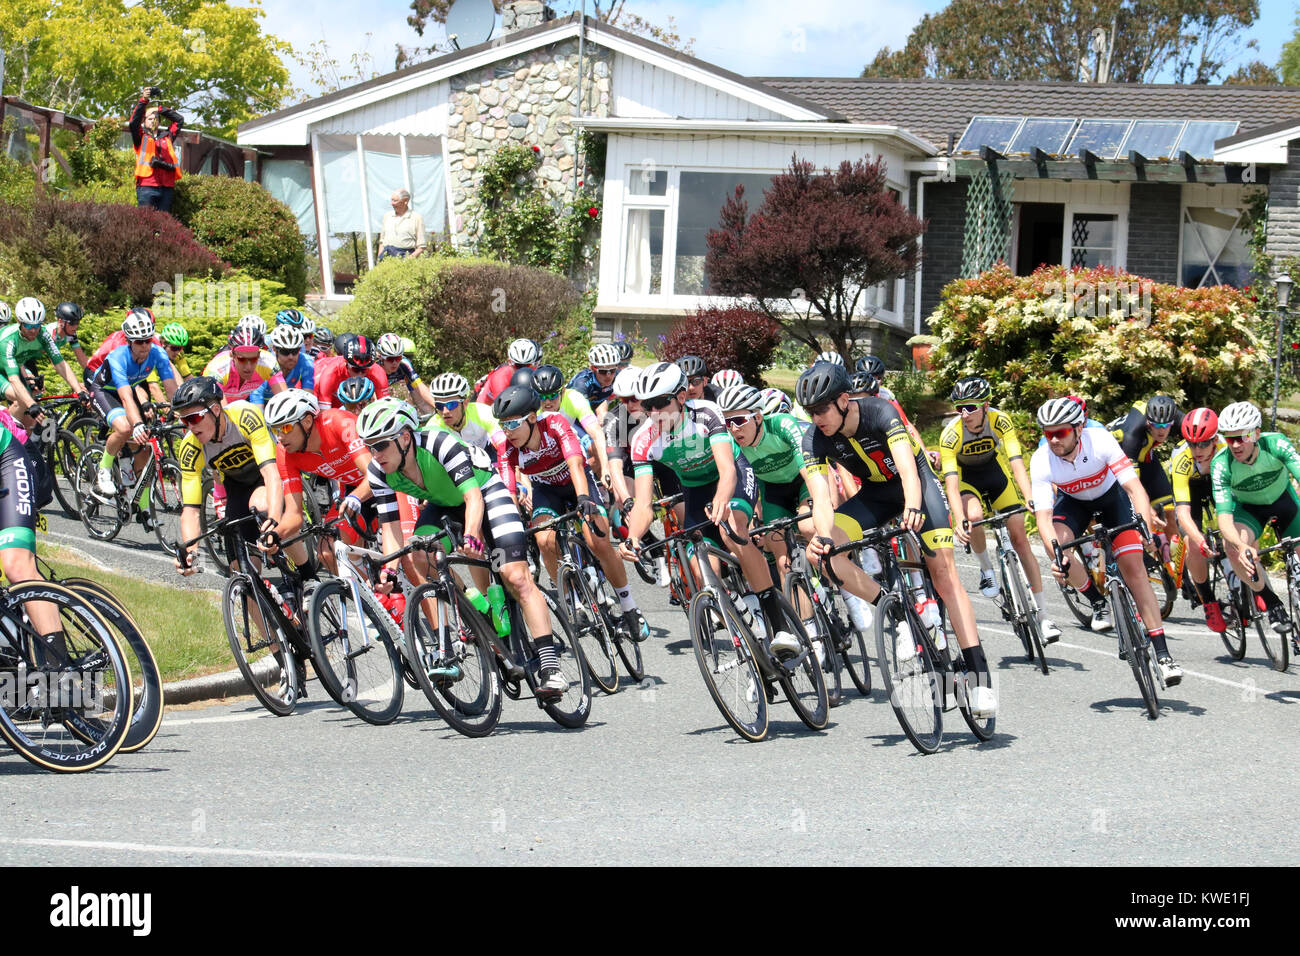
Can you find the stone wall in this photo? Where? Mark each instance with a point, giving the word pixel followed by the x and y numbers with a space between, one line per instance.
pixel 1284 206
pixel 529 99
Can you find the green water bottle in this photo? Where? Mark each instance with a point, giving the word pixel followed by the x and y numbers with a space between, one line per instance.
pixel 496 596
pixel 477 599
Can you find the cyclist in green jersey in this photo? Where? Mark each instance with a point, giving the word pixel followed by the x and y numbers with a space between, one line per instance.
pixel 22 343
pixel 1252 487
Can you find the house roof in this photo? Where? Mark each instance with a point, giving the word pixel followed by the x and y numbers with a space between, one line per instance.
pixel 934 109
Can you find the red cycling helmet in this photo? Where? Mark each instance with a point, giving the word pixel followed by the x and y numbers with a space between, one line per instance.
pixel 1080 402
pixel 359 353
pixel 1200 424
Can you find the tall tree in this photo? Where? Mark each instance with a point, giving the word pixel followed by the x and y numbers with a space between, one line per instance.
pixel 1290 65
pixel 815 246
pixel 1124 41
pixel 89 57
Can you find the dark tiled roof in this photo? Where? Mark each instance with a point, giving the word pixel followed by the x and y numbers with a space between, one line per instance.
pixel 1245 134
pixel 933 109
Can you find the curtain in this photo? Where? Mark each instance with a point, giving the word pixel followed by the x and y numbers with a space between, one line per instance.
pixel 289 180
pixel 338 158
pixel 636 276
pixel 428 187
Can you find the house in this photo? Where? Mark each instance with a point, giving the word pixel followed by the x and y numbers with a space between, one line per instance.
pixel 1150 178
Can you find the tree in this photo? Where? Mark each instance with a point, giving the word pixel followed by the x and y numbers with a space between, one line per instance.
pixel 1290 65
pixel 90 57
pixel 327 74
pixel 1126 41
pixel 815 246
pixel 1255 73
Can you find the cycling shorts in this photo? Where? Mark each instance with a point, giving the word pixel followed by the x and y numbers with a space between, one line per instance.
pixel 1155 480
pixel 503 529
pixel 783 500
pixel 744 499
pixel 879 502
pixel 992 483
pixel 551 501
pixel 17 498
pixel 1283 513
pixel 1112 508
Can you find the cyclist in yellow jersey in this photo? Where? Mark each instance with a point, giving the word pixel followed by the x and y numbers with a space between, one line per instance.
pixel 237 445
pixel 981 461
pixel 1190 470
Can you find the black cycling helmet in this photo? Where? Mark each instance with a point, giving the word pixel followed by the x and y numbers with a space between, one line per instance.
pixel 546 378
pixel 200 390
pixel 821 383
pixel 516 402
pixel 342 340
pixel 971 389
pixel 870 364
pixel 863 382
pixel 358 353
pixel 523 376
pixel 624 352
pixel 1161 411
pixel 68 312
pixel 693 366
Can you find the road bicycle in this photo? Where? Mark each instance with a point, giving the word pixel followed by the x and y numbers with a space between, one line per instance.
pixel 1015 599
pixel 1162 579
pixel 1277 646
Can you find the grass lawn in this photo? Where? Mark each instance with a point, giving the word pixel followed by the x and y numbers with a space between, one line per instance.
pixel 184 628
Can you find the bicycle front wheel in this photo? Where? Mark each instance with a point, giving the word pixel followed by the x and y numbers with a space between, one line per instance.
pixel 852 641
pixel 908 673
pixel 1136 648
pixel 1024 609
pixel 461 678
pixel 165 504
pixel 1162 585
pixel 728 667
pixel 261 653
pixel 62 456
pixel 573 707
pixel 102 517
pixel 583 613
pixel 821 631
pixel 802 679
pixel 353 651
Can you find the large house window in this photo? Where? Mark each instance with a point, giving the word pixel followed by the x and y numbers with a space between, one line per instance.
pixel 700 198
pixel 1214 248
pixel 1093 238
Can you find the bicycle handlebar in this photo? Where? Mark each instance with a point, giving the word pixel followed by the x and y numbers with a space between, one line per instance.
pixel 780 524
pixel 1000 516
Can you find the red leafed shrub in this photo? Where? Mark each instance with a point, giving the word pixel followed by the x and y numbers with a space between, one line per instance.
pixel 737 338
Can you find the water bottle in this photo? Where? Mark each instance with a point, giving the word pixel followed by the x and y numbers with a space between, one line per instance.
pixel 479 602
pixel 661 571
pixel 930 617
pixel 593 583
pixel 496 596
pixel 1089 549
pixel 284 605
pixel 752 615
pixel 126 467
pixel 1229 574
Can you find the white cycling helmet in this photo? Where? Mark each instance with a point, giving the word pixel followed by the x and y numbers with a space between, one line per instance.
pixel 5 315
pixel 835 358
pixel 137 326
pixel 524 352
pixel 662 378
pixel 1058 412
pixel 253 322
pixel 29 311
pixel 625 382
pixel 385 418
pixel 728 376
pixel 740 398
pixel 603 356
pixel 285 337
pixel 307 326
pixel 1239 417
pixel 449 385
pixel 289 406
pixel 774 401
pixel 389 345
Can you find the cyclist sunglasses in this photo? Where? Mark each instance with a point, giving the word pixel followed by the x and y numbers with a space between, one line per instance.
pixel 1236 439
pixel 379 446
pixel 549 396
pixel 510 424
pixel 967 409
pixel 286 352
pixel 284 430
pixel 446 406
pixel 1058 433
pixel 605 371
pixel 1203 444
pixel 739 421
pixel 193 418
pixel 656 403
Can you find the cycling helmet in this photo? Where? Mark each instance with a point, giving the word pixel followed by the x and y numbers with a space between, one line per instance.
pixel 1200 424
pixel 290 317
pixel 971 389
pixel 324 337
pixel 244 340
pixel 342 341
pixel 137 326
pixel 254 322
pixel 603 356
pixel 385 418
pixel 524 352
pixel 821 383
pixel 522 376
pixel 516 402
pixel 448 385
pixel 173 333
pixel 740 398
pixel 359 354
pixel 389 345
pixel 1240 417
pixel 662 378
pixel 863 382
pixel 728 376
pixel 625 382
pixel 1058 412
pixel 290 405
pixel 197 391
pixel 774 401
pixel 68 312
pixel 30 311
pixel 1161 411
pixel 835 358
pixel 872 365
pixel 625 351
pixel 308 326
pixel 5 315
pixel 693 366
pixel 546 378
pixel 352 391
pixel 285 337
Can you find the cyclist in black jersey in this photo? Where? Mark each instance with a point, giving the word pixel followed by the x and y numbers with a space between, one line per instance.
pixel 1140 432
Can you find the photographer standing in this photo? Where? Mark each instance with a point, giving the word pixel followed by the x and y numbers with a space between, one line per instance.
pixel 156 164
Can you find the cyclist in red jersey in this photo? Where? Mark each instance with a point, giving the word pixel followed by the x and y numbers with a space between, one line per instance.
pixel 523 353
pixel 357 358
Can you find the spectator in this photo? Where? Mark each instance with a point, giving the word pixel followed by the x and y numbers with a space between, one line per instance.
pixel 157 166
pixel 402 234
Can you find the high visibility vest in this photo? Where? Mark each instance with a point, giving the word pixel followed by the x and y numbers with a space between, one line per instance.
pixel 144 158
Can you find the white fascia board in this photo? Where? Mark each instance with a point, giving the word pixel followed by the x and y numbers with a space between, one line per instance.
pixel 820 130
pixel 1267 150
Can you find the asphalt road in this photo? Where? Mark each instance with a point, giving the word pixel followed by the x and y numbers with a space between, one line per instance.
pixel 1075 773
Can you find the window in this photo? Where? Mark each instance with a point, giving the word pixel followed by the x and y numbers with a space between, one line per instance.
pixel 647 181
pixel 1214 248
pixel 700 197
pixel 644 264
pixel 1093 238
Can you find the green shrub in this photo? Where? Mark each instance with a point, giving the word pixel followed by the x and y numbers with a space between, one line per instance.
pixel 734 337
pixel 1055 333
pixel 245 225
pixel 17 184
pixel 910 387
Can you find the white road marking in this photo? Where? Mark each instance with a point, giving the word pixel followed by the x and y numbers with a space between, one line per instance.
pixel 225 851
pixel 224 719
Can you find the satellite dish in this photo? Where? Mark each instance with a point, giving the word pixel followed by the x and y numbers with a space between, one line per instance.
pixel 470 22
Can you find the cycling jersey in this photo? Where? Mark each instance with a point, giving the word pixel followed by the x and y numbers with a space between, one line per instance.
pixel 1098 466
pixel 1262 482
pixel 1135 438
pixel 336 460
pixel 121 369
pixel 115 340
pixel 688 449
pixel 868 453
pixel 238 456
pixel 1189 481
pixel 548 463
pixel 777 456
pixel 477 428
pixel 575 407
pixel 16 351
pixel 619 427
pixel 224 370
pixel 587 384
pixel 445 468
pixel 498 381
pixel 330 374
pixel 62 341
pixel 302 375
pixel 960 448
pixel 405 372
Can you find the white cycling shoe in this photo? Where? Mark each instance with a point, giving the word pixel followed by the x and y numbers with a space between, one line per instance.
pixel 104 482
pixel 785 644
pixel 983 702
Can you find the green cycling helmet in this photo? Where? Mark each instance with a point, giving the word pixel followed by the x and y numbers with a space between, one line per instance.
pixel 173 333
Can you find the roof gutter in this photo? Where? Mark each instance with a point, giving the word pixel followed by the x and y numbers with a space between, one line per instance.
pixel 813 128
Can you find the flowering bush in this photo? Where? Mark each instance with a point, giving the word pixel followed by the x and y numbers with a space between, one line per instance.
pixel 743 339
pixel 1107 335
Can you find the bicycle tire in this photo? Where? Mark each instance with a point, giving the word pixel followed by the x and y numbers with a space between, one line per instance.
pixel 102 520
pixel 324 675
pixel 629 651
pixel 214 545
pixel 824 633
pixel 1161 584
pixel 1138 654
pixel 165 504
pixel 252 643
pixel 805 683
pixel 854 652
pixel 573 707
pixel 913 689
pixel 39 736
pixel 1025 609
pixel 471 703
pixel 722 649
pixel 1234 635
pixel 589 628
pixel 1274 644
pixel 1078 605
pixel 62 457
pixel 362 663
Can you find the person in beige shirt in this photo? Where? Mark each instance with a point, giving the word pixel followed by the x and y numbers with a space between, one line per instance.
pixel 402 234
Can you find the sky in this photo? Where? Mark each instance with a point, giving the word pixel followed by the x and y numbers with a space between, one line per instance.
pixel 751 37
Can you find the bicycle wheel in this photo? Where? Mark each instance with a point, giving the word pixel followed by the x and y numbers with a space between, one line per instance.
pixel 589 628
pixel 645 564
pixel 62 456
pixel 102 518
pixel 1162 585
pixel 1237 606
pixel 261 653
pixel 573 707
pixel 470 700
pixel 354 651
pixel 215 545
pixel 912 685
pixel 629 651
pixel 88 684
pixel 962 681
pixel 1136 649
pixel 147 694
pixel 1023 609
pixel 802 679
pixel 853 641
pixel 820 629
pixel 1075 601
pixel 728 667
pixel 165 504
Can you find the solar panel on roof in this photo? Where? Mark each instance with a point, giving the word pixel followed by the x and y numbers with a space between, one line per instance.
pixel 1049 135
pixel 1154 139
pixel 1198 139
pixel 1102 137
pixel 993 131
